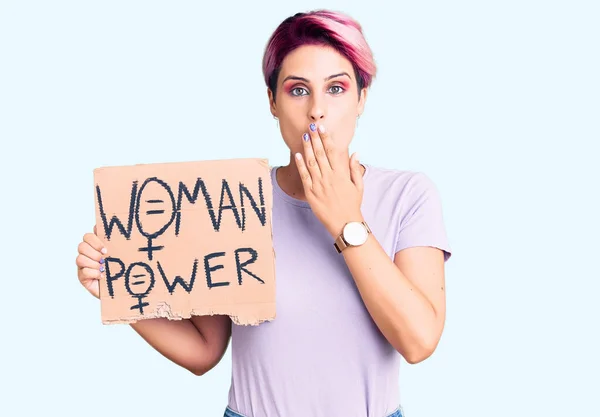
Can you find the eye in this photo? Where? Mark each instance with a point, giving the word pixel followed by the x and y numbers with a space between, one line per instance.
pixel 297 91
pixel 337 89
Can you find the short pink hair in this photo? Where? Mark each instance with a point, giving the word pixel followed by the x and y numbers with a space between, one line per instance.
pixel 319 27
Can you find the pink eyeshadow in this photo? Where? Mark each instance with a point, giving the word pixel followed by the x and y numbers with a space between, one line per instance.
pixel 344 83
pixel 289 85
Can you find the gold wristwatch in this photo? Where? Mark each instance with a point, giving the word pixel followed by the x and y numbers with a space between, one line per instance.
pixel 353 234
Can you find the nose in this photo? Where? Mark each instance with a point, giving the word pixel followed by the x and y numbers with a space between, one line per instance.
pixel 316 110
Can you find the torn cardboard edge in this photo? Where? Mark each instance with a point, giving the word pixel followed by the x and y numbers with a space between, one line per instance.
pixel 266 312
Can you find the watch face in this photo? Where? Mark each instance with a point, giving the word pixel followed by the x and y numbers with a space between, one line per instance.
pixel 355 233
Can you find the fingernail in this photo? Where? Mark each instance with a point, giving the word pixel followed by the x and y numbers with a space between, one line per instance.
pixel 306 137
pixel 102 260
pixel 313 127
pixel 104 251
pixel 102 268
pixel 321 128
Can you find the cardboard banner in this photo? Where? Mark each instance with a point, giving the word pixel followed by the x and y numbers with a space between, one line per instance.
pixel 190 238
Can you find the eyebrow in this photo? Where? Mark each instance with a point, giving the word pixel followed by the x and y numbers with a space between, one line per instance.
pixel 294 77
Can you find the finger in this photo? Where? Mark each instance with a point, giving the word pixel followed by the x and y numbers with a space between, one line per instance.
pixel 304 173
pixel 95 242
pixel 85 249
pixel 309 159
pixel 333 153
pixel 356 171
pixel 319 150
pixel 83 261
pixel 338 158
pixel 89 273
pixel 95 230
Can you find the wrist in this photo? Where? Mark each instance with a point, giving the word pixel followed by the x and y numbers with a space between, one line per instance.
pixel 336 228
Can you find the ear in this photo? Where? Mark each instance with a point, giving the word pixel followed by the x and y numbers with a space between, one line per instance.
pixel 272 105
pixel 361 102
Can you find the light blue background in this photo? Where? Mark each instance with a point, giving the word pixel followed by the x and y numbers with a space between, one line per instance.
pixel 498 102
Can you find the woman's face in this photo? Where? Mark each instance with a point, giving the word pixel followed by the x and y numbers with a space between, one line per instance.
pixel 317 85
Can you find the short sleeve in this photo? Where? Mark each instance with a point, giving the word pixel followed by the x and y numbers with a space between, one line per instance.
pixel 422 223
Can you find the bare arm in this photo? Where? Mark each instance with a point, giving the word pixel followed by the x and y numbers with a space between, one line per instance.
pixel 405 297
pixel 196 344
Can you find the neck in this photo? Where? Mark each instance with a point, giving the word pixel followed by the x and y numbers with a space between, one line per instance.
pixel 289 180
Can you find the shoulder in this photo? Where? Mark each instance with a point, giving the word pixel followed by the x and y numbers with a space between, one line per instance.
pixel 406 192
pixel 399 181
pixel 417 208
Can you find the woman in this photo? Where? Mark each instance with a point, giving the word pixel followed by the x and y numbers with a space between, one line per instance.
pixel 360 251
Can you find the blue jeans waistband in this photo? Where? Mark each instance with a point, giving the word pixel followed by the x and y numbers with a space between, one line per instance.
pixel 230 413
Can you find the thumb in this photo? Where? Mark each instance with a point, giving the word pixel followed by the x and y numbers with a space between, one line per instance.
pixel 356 172
pixel 95 230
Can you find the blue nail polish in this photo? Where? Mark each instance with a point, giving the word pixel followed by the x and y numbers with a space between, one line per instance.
pixel 306 137
pixel 102 260
pixel 102 268
pixel 313 127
